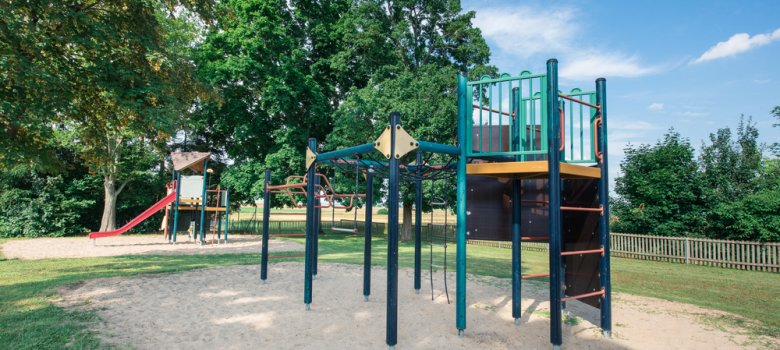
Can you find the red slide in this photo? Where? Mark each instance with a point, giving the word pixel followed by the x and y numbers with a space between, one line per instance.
pixel 138 219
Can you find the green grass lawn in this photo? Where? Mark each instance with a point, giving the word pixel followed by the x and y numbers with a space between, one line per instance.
pixel 31 321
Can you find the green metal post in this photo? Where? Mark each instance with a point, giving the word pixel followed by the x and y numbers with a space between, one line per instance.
pixel 604 270
pixel 392 236
pixel 367 234
pixel 227 214
pixel 460 255
pixel 516 240
pixel 418 225
pixel 554 186
pixel 203 201
pixel 310 207
pixel 517 278
pixel 176 207
pixel 266 226
pixel 316 232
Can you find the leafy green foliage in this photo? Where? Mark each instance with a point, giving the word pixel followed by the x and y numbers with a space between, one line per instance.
pixel 36 205
pixel 776 146
pixel 752 217
pixel 730 167
pixel 660 192
pixel 731 193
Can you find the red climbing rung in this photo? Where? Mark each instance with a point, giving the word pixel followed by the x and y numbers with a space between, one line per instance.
pixel 534 238
pixel 599 209
pixel 578 252
pixel 586 295
pixel 597 107
pixel 536 275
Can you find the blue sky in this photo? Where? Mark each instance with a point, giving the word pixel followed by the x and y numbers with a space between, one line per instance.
pixel 692 65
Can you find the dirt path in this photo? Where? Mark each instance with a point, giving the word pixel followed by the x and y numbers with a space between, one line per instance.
pixel 227 308
pixel 80 247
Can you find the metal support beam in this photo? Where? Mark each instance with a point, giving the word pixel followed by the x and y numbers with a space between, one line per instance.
pixel 203 200
pixel 517 202
pixel 367 234
pixel 345 152
pixel 433 147
pixel 310 207
pixel 604 270
pixel 227 214
pixel 266 224
pixel 392 238
pixel 516 241
pixel 460 255
pixel 317 214
pixel 418 198
pixel 176 207
pixel 554 187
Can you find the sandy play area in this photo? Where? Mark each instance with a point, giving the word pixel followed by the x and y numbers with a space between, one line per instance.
pixel 79 247
pixel 229 309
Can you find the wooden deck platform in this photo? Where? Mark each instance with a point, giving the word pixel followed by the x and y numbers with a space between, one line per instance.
pixel 531 170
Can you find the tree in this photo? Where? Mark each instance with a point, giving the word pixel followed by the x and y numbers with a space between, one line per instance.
pixel 776 146
pixel 260 60
pixel 408 54
pixel 730 167
pixel 106 73
pixel 661 190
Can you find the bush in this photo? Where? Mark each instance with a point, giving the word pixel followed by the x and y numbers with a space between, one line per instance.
pixel 382 211
pixel 752 218
pixel 46 206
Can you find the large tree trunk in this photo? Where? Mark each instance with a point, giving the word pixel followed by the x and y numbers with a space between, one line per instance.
pixel 406 232
pixel 110 193
pixel 108 222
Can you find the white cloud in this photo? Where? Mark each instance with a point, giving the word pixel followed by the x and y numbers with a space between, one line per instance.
pixel 736 44
pixel 656 106
pixel 594 64
pixel 524 31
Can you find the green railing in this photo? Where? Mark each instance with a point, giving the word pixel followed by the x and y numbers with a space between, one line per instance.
pixel 509 118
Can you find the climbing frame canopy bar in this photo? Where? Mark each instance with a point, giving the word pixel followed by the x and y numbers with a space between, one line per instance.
pixel 509 118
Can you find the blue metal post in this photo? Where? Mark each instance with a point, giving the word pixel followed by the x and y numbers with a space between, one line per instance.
pixel 392 236
pixel 367 235
pixel 418 224
pixel 460 255
pixel 266 225
pixel 554 186
pixel 203 200
pixel 176 207
pixel 604 271
pixel 308 273
pixel 227 214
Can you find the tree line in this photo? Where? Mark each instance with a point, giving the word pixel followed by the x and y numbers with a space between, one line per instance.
pixel 729 191
pixel 95 95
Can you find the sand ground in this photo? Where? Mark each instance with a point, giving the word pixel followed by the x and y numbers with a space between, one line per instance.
pixel 80 247
pixel 227 308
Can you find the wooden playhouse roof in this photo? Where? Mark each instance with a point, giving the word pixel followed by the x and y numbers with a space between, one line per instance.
pixel 191 160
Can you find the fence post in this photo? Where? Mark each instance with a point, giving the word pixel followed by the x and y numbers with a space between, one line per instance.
pixel 687 250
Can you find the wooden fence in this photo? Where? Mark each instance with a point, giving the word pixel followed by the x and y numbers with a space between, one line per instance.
pixel 743 255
